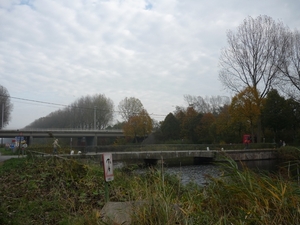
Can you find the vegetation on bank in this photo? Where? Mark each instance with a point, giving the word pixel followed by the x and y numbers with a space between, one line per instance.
pixel 51 190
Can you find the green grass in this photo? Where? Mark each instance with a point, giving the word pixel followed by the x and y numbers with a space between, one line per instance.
pixel 8 151
pixel 47 191
pixel 56 191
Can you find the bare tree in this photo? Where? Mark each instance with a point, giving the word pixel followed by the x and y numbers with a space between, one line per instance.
pixel 84 113
pixel 291 67
pixel 254 55
pixel 104 111
pixel 252 60
pixel 129 107
pixel 198 103
pixel 211 104
pixel 5 107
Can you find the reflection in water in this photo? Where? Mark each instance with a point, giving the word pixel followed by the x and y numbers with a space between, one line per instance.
pixel 261 165
pixel 195 173
pixel 200 173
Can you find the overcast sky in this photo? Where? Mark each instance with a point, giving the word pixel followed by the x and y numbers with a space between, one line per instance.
pixel 154 50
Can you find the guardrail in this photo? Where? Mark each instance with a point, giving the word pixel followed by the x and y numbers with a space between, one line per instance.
pixel 59 129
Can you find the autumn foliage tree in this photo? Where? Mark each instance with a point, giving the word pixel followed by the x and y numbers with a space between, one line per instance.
pixel 246 108
pixel 139 125
pixel 205 129
pixel 226 129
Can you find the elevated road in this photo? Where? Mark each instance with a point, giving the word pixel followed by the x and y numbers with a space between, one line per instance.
pixel 90 135
pixel 42 133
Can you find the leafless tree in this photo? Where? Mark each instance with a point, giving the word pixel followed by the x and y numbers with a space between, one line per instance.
pixel 291 68
pixel 129 107
pixel 211 104
pixel 254 55
pixel 5 107
pixel 256 52
pixel 80 114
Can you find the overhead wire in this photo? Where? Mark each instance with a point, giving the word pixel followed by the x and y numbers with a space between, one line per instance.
pixel 64 105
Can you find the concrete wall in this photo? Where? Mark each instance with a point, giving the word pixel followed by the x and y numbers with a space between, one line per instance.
pixel 244 155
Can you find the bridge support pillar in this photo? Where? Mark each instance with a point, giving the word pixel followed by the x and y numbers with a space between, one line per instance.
pixel 30 141
pixel 201 160
pixel 150 162
pixel 90 141
pixel 95 140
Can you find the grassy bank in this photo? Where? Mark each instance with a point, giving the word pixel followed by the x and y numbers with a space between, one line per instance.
pixel 57 191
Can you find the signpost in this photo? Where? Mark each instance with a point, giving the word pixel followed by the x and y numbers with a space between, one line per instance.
pixel 108 171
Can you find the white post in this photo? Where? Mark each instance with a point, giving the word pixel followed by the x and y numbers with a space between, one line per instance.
pixel 95 111
pixel 2 116
pixel 2 121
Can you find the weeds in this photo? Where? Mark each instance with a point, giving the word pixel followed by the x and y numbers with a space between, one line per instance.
pixel 51 190
pixel 46 191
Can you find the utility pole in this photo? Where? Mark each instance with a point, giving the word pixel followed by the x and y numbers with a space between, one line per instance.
pixel 95 138
pixel 95 112
pixel 2 116
pixel 2 121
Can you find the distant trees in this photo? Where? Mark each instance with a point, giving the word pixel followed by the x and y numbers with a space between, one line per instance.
pixel 92 110
pixel 170 127
pixel 227 129
pixel 138 125
pixel 189 121
pixel 5 106
pixel 280 119
pixel 137 122
pixel 84 113
pixel 246 108
pixel 212 104
pixel 277 113
pixel 195 123
pixel 129 107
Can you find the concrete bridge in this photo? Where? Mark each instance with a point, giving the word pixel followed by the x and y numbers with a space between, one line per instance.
pixel 181 157
pixel 89 135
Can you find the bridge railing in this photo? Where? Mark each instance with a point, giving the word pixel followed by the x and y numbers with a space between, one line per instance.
pixel 174 147
pixel 135 148
pixel 61 129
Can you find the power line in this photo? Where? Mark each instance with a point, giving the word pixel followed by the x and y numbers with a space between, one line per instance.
pixel 58 104
pixel 36 101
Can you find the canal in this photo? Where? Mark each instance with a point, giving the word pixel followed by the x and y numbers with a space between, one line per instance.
pixel 200 173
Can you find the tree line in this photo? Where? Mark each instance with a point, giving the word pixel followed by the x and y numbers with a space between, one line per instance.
pixel 279 117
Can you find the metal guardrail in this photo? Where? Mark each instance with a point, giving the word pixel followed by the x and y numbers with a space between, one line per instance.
pixel 59 129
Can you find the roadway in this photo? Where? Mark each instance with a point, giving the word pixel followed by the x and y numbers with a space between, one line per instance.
pixel 6 157
pixel 41 133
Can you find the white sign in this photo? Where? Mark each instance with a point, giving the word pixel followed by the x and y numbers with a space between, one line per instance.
pixel 108 166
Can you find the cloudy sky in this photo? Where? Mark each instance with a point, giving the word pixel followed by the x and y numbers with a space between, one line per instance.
pixel 154 50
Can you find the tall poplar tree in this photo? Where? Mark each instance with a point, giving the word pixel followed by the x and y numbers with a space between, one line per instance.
pixel 6 107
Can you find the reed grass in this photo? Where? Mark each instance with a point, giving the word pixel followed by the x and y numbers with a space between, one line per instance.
pixel 51 190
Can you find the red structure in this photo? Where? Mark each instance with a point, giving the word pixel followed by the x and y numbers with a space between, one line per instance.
pixel 246 138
